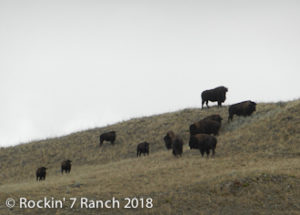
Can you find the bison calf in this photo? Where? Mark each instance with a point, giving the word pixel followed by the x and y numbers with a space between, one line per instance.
pixel 41 173
pixel 142 148
pixel 217 94
pixel 245 108
pixel 108 136
pixel 204 143
pixel 66 166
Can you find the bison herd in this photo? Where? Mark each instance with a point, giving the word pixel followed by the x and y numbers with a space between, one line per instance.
pixel 202 133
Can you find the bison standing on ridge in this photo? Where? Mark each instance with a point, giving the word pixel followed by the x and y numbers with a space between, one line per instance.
pixel 142 148
pixel 41 173
pixel 204 143
pixel 217 94
pixel 66 166
pixel 245 108
pixel 205 126
pixel 177 146
pixel 170 136
pixel 108 136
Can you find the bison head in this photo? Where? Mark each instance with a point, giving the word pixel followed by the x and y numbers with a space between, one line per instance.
pixel 192 143
pixel 253 105
pixel 224 89
pixel 219 118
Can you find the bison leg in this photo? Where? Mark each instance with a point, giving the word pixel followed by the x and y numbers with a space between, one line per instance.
pixel 207 104
pixel 101 142
pixel 213 151
pixel 207 153
pixel 202 152
pixel 202 103
pixel 219 104
pixel 174 153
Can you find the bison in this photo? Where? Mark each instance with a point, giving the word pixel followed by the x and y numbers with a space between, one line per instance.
pixel 245 108
pixel 177 146
pixel 170 136
pixel 41 173
pixel 217 94
pixel 205 126
pixel 108 136
pixel 142 148
pixel 66 166
pixel 215 117
pixel 204 143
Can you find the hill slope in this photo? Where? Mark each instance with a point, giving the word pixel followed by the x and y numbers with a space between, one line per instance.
pixel 255 170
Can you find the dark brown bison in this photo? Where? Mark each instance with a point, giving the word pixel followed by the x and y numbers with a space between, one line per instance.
pixel 217 94
pixel 66 166
pixel 108 136
pixel 177 146
pixel 142 148
pixel 41 173
pixel 204 143
pixel 215 117
pixel 170 136
pixel 205 126
pixel 245 108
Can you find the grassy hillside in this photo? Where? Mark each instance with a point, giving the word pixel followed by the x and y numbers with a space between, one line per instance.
pixel 256 169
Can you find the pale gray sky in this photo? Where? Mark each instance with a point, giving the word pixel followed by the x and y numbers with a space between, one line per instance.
pixel 70 65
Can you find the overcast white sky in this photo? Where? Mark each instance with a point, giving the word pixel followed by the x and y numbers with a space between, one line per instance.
pixel 72 65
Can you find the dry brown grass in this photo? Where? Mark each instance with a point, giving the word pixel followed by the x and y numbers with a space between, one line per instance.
pixel 256 169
